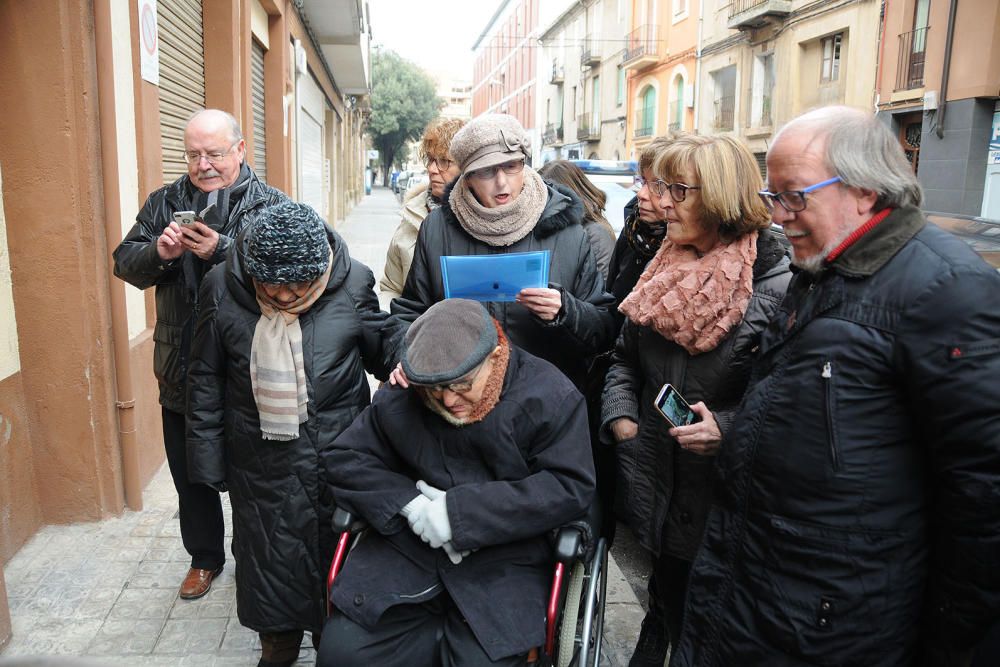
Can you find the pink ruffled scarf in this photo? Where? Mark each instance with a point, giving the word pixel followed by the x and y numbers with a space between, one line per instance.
pixel 694 301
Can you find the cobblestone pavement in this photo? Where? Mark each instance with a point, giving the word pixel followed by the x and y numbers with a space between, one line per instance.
pixel 105 594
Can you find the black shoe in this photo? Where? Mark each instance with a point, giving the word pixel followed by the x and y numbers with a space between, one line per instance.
pixel 651 649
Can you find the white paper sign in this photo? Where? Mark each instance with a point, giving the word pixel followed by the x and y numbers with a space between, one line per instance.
pixel 149 42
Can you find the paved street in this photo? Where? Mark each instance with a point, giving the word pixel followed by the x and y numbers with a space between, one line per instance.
pixel 106 592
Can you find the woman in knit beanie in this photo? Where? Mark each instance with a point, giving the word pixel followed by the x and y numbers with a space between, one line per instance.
pixel 501 205
pixel 288 326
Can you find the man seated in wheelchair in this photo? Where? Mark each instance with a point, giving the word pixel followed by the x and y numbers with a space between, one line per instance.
pixel 460 478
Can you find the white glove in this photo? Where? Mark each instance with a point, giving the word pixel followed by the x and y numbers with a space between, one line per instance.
pixel 454 556
pixel 430 522
pixel 415 505
pixel 429 491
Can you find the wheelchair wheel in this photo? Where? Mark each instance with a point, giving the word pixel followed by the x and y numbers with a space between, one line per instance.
pixel 593 619
pixel 570 615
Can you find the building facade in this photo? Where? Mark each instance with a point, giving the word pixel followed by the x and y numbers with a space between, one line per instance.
pixel 92 125
pixel 941 95
pixel 581 90
pixel 660 59
pixel 763 62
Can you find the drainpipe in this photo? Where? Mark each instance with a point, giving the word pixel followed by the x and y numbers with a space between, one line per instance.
pixel 697 63
pixel 125 402
pixel 942 102
pixel 881 55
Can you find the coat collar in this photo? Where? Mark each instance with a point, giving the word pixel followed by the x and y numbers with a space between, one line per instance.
pixel 871 252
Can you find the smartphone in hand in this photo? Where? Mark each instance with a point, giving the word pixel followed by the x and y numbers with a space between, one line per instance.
pixel 185 218
pixel 673 407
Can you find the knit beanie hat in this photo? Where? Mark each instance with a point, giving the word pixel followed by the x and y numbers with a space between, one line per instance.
pixel 287 244
pixel 489 140
pixel 450 339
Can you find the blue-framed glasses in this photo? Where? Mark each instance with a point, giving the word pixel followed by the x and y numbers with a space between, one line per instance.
pixel 793 201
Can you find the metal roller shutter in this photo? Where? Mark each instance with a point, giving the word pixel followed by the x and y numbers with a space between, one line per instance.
pixel 257 92
pixel 182 77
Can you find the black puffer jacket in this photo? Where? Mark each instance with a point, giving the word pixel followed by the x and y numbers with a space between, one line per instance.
pixel 858 511
pixel 177 282
pixel 661 487
pixel 281 501
pixel 510 478
pixel 583 327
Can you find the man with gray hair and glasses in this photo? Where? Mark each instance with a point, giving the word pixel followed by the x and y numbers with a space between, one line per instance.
pixel 221 194
pixel 857 519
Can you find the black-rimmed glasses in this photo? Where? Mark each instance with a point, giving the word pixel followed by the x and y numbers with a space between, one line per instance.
pixel 443 164
pixel 793 201
pixel 678 191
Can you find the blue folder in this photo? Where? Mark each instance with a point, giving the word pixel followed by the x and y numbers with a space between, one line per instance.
pixel 493 277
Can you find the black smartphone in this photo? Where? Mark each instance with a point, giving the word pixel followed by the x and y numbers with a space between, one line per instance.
pixel 673 407
pixel 185 218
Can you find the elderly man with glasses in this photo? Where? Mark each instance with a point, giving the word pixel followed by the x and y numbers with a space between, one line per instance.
pixel 460 478
pixel 172 251
pixel 859 518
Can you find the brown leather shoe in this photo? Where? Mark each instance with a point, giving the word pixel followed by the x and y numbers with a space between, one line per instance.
pixel 197 583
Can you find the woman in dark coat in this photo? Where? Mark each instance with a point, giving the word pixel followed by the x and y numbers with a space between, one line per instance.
pixel 693 320
pixel 500 205
pixel 288 326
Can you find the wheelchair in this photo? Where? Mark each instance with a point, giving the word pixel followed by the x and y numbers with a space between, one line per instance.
pixel 574 622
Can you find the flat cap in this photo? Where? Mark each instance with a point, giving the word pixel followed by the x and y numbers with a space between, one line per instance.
pixel 450 339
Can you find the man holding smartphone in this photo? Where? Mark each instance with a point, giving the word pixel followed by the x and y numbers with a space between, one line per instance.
pixel 184 229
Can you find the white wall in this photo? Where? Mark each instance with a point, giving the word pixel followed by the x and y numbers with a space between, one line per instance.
pixel 10 359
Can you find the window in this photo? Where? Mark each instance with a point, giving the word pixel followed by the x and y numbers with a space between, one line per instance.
pixel 763 91
pixel 680 9
pixel 595 101
pixel 830 70
pixel 724 98
pixel 677 122
pixel 621 86
pixel 646 114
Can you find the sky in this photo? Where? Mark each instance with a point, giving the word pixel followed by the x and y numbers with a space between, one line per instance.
pixel 436 34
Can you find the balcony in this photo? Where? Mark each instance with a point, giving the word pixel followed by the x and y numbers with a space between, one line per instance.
pixel 643 123
pixel 912 53
pixel 588 127
pixel 744 14
pixel 553 134
pixel 723 120
pixel 558 73
pixel 642 47
pixel 590 56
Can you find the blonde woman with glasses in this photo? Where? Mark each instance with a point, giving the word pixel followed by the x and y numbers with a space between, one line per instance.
pixel 693 319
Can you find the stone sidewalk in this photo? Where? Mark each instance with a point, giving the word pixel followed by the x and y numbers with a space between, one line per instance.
pixel 105 593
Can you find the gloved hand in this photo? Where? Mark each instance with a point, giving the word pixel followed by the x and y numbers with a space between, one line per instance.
pixel 454 556
pixel 414 506
pixel 430 522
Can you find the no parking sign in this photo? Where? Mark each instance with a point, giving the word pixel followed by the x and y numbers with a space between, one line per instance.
pixel 149 44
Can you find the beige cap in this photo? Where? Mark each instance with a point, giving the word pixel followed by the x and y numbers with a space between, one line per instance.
pixel 489 140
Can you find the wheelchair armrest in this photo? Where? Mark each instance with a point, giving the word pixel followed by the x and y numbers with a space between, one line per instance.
pixel 572 541
pixel 344 521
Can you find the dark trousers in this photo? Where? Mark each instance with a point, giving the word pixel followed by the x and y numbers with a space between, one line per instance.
pixel 431 634
pixel 202 528
pixel 667 588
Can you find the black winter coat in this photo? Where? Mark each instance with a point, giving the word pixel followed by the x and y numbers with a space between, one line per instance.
pixel 177 282
pixel 523 470
pixel 858 512
pixel 582 328
pixel 664 491
pixel 282 506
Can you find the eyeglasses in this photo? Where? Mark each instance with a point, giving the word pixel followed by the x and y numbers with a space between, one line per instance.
pixel 460 387
pixel 509 168
pixel 443 164
pixel 793 201
pixel 215 157
pixel 678 191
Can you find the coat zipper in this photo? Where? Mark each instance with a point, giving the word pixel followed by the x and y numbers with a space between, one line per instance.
pixel 828 394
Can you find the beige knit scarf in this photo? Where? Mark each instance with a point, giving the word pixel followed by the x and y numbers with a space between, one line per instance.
pixel 694 301
pixel 504 225
pixel 277 373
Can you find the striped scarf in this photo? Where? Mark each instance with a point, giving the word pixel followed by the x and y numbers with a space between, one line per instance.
pixel 277 372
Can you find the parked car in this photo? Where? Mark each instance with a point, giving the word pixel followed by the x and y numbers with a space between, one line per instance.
pixel 615 178
pixel 982 234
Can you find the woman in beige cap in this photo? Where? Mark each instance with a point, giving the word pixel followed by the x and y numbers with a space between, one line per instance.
pixel 501 205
